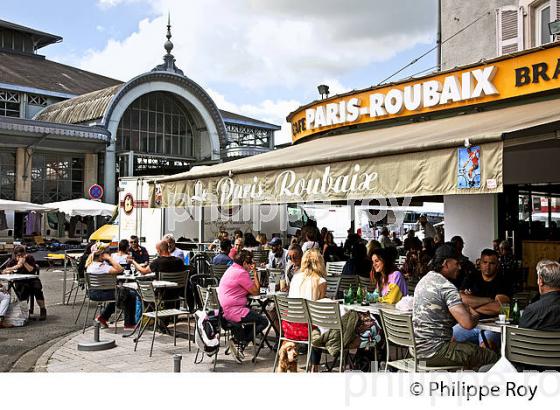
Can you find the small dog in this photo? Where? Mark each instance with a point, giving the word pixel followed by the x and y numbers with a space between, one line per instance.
pixel 287 362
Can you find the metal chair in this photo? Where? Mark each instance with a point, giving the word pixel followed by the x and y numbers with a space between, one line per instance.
pixel 345 283
pixel 98 282
pixel 398 331
pixel 332 286
pixel 201 263
pixel 218 271
pixel 533 347
pixel 366 283
pixel 326 316
pixel 180 278
pixel 204 281
pixel 78 282
pixel 411 285
pixel 292 310
pixel 335 268
pixel 260 256
pixel 208 297
pixel 151 300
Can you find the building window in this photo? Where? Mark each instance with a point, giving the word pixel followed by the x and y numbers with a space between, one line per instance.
pixel 56 177
pixel 542 18
pixel 157 123
pixel 8 175
pixel 9 103
pixel 34 99
pixel 245 136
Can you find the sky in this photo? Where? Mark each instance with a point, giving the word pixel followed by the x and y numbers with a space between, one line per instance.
pixel 260 58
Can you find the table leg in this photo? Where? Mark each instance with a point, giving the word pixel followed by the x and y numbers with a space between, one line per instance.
pixel 64 282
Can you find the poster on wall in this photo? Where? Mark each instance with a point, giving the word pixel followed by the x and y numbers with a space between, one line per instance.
pixel 468 174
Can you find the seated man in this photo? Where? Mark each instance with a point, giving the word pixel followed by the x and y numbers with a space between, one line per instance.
pixel 295 254
pixel 173 250
pixel 437 306
pixel 222 258
pixel 278 256
pixel 23 263
pixel 484 292
pixel 138 253
pixel 545 313
pixel 235 286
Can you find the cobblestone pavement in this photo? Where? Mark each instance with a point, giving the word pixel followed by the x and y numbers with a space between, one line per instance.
pixel 65 356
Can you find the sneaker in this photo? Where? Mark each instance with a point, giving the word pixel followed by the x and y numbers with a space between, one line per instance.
pixel 233 349
pixel 102 322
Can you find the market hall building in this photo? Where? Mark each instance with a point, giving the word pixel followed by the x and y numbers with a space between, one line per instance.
pixel 63 129
pixel 460 137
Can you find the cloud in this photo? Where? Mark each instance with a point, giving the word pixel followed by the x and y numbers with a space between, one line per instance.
pixel 100 28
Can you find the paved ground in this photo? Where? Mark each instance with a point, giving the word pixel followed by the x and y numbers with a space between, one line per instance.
pixel 65 356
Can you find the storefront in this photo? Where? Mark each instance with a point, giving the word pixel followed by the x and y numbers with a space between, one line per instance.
pixel 468 135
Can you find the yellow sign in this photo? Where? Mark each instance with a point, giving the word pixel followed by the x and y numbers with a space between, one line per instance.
pixel 500 79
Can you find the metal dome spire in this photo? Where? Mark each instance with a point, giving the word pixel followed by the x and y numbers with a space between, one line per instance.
pixel 168 59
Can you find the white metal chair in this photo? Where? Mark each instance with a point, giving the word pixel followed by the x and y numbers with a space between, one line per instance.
pixel 218 271
pixel 335 268
pixel 98 282
pixel 291 310
pixel 399 331
pixel 534 348
pixel 153 312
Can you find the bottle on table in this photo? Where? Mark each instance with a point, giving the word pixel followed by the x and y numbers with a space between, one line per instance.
pixel 515 313
pixel 359 295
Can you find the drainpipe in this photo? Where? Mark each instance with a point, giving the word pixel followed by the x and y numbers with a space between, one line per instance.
pixel 438 36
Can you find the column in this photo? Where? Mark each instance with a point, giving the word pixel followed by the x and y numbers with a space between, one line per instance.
pixel 90 172
pixel 110 169
pixel 23 174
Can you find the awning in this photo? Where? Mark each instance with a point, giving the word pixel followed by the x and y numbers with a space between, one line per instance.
pixel 415 159
pixel 19 206
pixel 83 207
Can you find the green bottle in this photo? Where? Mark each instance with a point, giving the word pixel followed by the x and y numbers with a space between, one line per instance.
pixel 515 314
pixel 352 294
pixel 359 295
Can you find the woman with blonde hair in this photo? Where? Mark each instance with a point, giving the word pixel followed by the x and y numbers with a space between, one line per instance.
pixel 310 284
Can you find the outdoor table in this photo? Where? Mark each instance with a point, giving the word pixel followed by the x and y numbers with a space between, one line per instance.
pixel 374 308
pixel 264 300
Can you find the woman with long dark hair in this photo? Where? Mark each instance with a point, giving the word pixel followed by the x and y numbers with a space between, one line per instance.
pixel 389 281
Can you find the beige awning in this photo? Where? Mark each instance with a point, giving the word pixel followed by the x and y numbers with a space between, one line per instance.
pixel 408 160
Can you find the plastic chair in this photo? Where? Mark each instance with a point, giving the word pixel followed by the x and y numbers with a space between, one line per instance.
pixel 533 347
pixel 326 316
pixel 335 268
pixel 292 310
pixel 151 299
pixel 399 331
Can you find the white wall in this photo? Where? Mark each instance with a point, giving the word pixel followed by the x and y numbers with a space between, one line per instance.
pixel 474 218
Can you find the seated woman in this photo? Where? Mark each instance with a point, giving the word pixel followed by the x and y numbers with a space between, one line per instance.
pixel 389 282
pixel 121 256
pixel 23 263
pixel 100 262
pixel 4 304
pixel 310 284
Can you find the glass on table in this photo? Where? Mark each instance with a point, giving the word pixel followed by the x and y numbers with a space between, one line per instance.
pixel 504 310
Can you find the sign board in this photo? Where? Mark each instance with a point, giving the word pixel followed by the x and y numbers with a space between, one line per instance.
pixel 95 191
pixel 503 78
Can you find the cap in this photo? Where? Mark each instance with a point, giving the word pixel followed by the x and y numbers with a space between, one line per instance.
pixel 275 241
pixel 445 251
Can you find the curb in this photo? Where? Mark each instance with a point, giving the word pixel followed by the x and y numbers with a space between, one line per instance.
pixel 42 362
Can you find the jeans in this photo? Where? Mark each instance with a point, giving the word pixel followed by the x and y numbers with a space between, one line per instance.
pixel 4 303
pixel 29 288
pixel 109 294
pixel 246 334
pixel 461 334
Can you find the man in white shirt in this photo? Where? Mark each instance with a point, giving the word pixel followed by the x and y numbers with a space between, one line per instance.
pixel 278 256
pixel 425 227
pixel 173 250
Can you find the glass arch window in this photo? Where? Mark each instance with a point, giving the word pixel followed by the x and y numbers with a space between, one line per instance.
pixel 157 123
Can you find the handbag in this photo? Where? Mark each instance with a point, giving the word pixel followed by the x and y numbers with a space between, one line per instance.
pixel 121 295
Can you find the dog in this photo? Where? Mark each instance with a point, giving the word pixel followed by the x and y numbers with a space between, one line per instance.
pixel 287 361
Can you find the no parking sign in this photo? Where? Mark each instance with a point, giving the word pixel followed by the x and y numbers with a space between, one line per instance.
pixel 95 191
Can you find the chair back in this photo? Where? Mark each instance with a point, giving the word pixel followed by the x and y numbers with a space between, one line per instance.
pixel 180 278
pixel 275 274
pixel 260 256
pixel 332 286
pixel 398 328
pixel 346 282
pixel 102 281
pixel 335 268
pixel 201 263
pixel 218 271
pixel 208 297
pixel 411 285
pixel 146 289
pixel 290 309
pixel 366 283
pixel 533 347
pixel 324 314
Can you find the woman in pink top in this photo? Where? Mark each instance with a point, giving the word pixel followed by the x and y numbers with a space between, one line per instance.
pixel 235 286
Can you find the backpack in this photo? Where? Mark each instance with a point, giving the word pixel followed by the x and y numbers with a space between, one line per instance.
pixel 207 333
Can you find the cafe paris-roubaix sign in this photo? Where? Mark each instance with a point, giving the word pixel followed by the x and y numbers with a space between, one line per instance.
pixel 501 79
pixel 352 166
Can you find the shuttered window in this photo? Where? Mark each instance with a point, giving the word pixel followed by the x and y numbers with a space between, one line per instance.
pixel 509 29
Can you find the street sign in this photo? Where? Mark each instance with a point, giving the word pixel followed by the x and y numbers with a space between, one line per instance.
pixel 95 191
